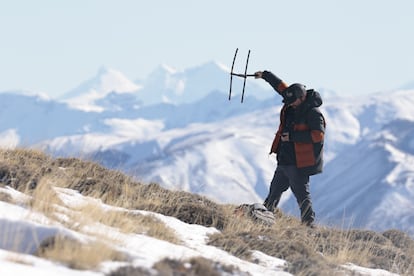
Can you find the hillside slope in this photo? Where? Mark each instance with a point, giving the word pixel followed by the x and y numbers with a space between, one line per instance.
pixel 80 218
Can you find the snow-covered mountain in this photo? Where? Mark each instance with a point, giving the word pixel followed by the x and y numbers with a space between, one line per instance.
pixel 107 81
pixel 34 118
pixel 110 90
pixel 169 85
pixel 179 129
pixel 371 184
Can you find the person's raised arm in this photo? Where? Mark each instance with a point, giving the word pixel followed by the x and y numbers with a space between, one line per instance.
pixel 278 85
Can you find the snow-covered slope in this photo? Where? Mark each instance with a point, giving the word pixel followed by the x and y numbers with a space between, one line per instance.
pixel 25 230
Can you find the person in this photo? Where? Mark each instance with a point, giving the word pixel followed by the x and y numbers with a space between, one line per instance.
pixel 298 144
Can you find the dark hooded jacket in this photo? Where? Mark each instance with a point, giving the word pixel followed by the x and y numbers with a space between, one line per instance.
pixel 306 127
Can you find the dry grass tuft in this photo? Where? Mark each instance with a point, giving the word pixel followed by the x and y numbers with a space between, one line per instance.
pixel 125 221
pixel 187 207
pixel 157 229
pixel 44 198
pixel 192 267
pixel 77 255
pixel 132 271
pixel 6 198
pixel 22 168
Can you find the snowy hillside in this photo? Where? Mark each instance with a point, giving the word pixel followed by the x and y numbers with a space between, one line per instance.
pixel 19 256
pixel 25 231
pixel 78 218
pixel 198 141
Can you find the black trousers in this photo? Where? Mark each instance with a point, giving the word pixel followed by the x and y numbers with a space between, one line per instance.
pixel 290 176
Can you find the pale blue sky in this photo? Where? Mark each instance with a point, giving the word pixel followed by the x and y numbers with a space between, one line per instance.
pixel 353 46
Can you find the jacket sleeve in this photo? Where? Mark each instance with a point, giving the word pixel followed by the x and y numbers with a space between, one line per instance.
pixel 274 81
pixel 316 131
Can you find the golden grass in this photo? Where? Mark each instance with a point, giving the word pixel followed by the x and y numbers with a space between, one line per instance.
pixel 78 255
pixel 6 198
pixel 44 198
pixel 125 221
pixel 36 174
pixel 318 251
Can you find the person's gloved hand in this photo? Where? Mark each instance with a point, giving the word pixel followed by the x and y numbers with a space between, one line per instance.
pixel 258 75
